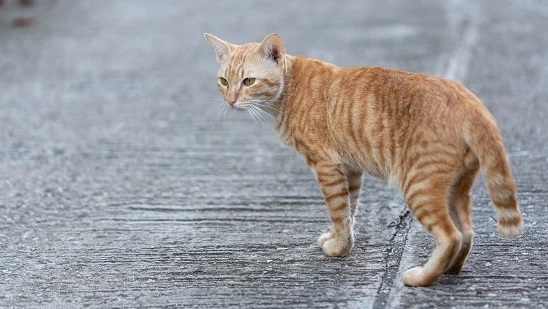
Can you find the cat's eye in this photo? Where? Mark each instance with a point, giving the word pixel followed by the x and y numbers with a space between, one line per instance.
pixel 249 81
pixel 223 81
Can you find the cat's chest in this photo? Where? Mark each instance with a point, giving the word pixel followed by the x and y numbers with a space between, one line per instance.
pixel 305 130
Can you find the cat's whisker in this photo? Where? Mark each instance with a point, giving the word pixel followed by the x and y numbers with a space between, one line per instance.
pixel 256 110
pixel 249 111
pixel 265 105
pixel 260 111
pixel 275 119
pixel 255 100
pixel 222 106
pixel 265 101
pixel 264 112
pixel 261 106
pixel 219 114
pixel 224 115
pixel 258 116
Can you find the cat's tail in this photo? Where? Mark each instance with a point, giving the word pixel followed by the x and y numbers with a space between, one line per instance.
pixel 484 139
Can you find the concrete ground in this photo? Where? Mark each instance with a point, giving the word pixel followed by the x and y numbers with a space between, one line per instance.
pixel 119 188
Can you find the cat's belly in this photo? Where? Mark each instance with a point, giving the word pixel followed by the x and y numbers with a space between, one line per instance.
pixel 359 159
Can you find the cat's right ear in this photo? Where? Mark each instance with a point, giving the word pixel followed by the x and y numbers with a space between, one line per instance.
pixel 222 48
pixel 272 47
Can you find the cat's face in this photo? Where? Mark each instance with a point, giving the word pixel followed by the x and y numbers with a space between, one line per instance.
pixel 250 74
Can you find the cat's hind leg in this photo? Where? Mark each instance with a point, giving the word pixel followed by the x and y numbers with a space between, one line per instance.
pixel 426 195
pixel 460 206
pixel 334 185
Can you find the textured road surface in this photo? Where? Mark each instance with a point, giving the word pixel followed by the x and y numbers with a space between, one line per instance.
pixel 119 188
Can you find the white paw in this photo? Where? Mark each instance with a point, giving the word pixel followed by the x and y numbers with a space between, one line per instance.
pixel 337 247
pixel 412 276
pixel 416 277
pixel 323 238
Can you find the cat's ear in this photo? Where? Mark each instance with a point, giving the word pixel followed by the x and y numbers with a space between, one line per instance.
pixel 222 48
pixel 272 47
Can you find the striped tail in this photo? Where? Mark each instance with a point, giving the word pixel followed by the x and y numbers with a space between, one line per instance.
pixel 485 141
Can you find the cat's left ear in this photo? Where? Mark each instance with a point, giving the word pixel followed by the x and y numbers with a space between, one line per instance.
pixel 272 47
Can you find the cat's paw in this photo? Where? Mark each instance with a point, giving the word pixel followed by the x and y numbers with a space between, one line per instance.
pixel 324 238
pixel 416 277
pixel 337 247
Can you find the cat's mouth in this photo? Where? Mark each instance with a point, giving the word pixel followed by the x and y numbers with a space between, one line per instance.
pixel 242 105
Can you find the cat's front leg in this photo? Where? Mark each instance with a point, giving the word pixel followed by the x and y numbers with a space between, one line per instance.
pixel 334 184
pixel 355 179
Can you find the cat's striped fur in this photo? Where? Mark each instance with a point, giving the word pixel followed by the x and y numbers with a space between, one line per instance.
pixel 427 135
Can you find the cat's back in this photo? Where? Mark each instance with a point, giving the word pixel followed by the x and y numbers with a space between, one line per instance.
pixel 388 79
pixel 397 94
pixel 328 82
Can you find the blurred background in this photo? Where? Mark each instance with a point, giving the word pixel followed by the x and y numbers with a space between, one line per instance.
pixel 120 185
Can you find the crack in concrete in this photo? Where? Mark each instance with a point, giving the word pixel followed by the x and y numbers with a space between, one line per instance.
pixel 393 257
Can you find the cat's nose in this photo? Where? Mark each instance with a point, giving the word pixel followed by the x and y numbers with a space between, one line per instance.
pixel 231 100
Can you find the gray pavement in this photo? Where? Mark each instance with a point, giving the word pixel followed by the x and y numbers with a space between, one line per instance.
pixel 118 187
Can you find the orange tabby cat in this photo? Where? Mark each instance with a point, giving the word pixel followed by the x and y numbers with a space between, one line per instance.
pixel 429 135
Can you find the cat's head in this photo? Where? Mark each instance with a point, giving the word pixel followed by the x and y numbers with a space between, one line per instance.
pixel 250 73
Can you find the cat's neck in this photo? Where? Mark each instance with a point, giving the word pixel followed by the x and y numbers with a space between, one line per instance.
pixel 307 83
pixel 295 70
pixel 288 77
